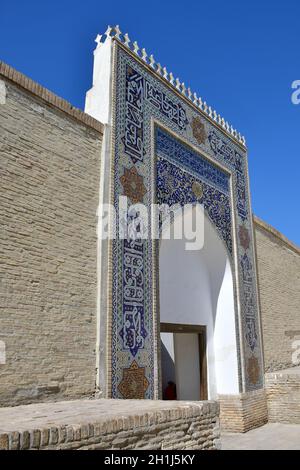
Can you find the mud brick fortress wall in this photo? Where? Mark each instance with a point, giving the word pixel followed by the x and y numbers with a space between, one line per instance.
pixel 279 289
pixel 49 167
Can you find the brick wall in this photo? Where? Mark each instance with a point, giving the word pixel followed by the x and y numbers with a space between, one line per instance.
pixel 283 394
pixel 49 166
pixel 279 287
pixel 240 413
pixel 111 424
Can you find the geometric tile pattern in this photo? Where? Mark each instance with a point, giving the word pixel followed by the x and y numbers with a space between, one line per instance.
pixel 198 130
pixel 175 186
pixel 133 185
pixel 134 383
pixel 190 160
pixel 253 370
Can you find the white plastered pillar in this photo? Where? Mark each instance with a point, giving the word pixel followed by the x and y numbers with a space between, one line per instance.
pixel 98 104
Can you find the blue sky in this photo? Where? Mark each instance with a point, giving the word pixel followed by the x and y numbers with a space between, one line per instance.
pixel 240 56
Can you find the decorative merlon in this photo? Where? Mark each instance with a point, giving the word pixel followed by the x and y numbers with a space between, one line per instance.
pixel 115 33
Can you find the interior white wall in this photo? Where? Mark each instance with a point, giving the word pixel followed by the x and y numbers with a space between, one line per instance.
pixel 196 289
pixel 187 366
pixel 167 359
pixel 226 364
pixel 180 364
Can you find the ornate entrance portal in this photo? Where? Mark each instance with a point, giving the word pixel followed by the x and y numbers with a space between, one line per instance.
pixel 163 145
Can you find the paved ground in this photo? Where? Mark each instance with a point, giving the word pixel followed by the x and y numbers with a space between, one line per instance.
pixel 275 436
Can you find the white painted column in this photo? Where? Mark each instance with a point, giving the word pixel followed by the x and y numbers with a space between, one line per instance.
pixel 98 104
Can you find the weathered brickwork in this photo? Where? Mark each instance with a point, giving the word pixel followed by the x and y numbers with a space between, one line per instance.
pixel 279 288
pixel 283 394
pixel 49 165
pixel 13 76
pixel 153 425
pixel 240 413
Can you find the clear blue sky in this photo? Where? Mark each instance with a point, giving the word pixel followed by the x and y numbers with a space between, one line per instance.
pixel 240 56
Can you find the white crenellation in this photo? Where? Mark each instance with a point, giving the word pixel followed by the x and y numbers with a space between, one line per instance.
pixel 98 39
pixel 108 32
pixel 136 48
pixel 151 61
pixel 159 69
pixel 127 41
pixel 144 55
pixel 115 32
